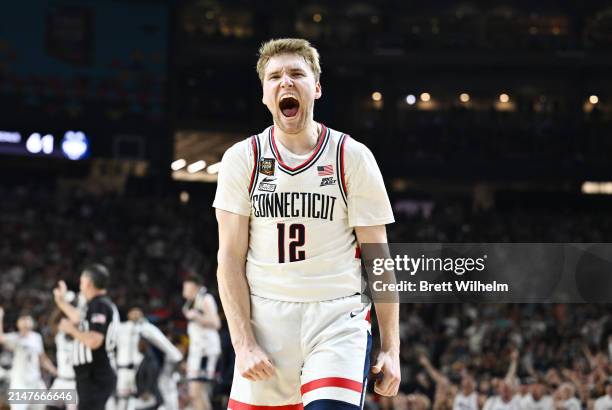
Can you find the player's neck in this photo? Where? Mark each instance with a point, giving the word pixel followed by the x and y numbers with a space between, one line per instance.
pixel 301 142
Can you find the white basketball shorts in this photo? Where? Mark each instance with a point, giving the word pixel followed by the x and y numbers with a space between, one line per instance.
pixel 320 351
pixel 201 366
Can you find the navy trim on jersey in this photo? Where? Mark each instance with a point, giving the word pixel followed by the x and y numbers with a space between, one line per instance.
pixel 309 162
pixel 255 173
pixel 340 167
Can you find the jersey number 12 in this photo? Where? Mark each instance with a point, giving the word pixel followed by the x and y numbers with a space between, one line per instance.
pixel 297 235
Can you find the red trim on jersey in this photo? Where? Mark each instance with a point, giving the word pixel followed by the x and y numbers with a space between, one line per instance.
pixel 368 317
pixel 314 153
pixel 342 166
pixel 357 252
pixel 255 155
pixel 237 405
pixel 332 382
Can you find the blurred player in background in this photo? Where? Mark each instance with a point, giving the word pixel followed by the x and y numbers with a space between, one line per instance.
pixel 200 309
pixel 28 356
pixel 293 204
pixel 64 346
pixel 131 334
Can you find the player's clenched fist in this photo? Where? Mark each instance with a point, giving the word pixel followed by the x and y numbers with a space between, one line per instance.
pixel 387 363
pixel 253 363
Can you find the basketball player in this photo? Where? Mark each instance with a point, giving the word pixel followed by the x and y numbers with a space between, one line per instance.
pixel 28 356
pixel 292 204
pixel 64 346
pixel 129 358
pixel 200 309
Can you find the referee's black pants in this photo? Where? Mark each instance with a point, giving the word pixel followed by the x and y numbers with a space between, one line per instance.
pixel 95 387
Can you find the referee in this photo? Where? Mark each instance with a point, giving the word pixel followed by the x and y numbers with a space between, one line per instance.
pixel 95 337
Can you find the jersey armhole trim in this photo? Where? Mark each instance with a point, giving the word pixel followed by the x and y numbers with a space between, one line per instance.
pixel 254 173
pixel 340 167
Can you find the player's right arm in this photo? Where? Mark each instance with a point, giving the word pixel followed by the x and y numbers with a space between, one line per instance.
pixel 233 209
pixel 251 360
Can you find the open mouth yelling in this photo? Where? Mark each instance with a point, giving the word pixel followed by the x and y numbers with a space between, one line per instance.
pixel 289 106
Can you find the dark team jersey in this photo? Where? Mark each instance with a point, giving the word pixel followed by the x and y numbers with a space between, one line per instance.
pixel 101 316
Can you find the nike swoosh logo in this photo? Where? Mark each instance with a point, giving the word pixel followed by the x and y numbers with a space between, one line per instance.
pixel 353 314
pixel 268 179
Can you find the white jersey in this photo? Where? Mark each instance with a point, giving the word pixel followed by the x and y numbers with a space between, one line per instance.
pixel 202 339
pixel 25 369
pixel 303 210
pixel 63 356
pixel 496 403
pixel 603 403
pixel 469 402
pixel 128 336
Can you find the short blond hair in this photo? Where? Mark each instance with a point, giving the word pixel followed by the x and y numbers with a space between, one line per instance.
pixel 299 46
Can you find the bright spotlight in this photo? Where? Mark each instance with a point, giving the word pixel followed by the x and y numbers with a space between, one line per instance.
pixel 213 168
pixel 178 164
pixel 196 167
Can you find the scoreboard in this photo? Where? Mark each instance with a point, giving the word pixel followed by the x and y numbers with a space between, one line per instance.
pixel 70 144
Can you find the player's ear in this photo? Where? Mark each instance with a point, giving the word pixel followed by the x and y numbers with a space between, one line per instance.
pixel 318 90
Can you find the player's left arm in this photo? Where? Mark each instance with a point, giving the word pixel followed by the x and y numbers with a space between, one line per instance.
pixel 387 314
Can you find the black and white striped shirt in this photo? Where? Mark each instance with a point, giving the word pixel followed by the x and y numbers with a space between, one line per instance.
pixel 101 315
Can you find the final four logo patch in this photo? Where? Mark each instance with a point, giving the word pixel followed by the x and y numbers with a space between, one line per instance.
pixel 266 166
